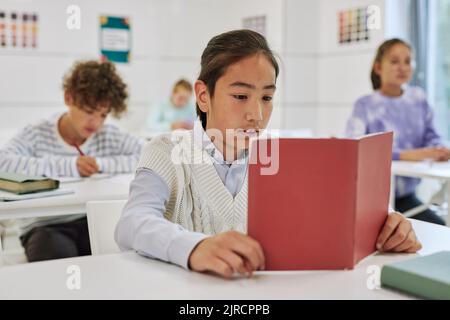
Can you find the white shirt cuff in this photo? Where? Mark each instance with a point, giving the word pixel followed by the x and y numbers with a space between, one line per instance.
pixel 181 247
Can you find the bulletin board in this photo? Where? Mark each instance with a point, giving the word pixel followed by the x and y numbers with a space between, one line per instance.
pixel 115 39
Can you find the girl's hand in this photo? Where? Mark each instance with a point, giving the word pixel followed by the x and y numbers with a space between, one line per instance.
pixel 181 125
pixel 397 235
pixel 434 153
pixel 227 253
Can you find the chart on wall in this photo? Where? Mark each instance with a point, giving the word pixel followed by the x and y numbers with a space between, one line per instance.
pixel 353 26
pixel 18 30
pixel 256 23
pixel 115 39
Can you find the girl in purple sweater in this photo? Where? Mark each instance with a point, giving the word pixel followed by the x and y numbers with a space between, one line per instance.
pixel 393 106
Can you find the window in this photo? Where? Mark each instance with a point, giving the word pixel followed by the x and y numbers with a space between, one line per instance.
pixel 426 25
pixel 438 77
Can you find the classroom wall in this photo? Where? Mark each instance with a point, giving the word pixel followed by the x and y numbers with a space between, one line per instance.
pixel 167 40
pixel 343 70
pixel 32 89
pixel 318 83
pixel 301 35
pixel 323 79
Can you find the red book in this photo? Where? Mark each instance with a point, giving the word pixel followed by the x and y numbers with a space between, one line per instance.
pixel 325 206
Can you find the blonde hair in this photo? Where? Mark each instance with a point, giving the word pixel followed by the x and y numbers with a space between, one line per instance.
pixel 182 83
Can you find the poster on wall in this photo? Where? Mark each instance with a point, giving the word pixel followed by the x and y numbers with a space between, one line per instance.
pixel 115 39
pixel 256 23
pixel 353 26
pixel 18 30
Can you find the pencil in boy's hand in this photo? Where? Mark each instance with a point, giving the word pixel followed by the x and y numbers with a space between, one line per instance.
pixel 79 150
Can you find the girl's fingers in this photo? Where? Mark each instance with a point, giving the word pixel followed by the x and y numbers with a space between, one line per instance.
pixel 392 221
pixel 400 234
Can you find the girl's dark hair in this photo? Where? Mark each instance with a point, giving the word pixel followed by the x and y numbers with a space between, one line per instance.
pixel 381 52
pixel 226 49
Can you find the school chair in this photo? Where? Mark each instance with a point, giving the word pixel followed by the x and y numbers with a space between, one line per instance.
pixel 102 217
pixel 11 250
pixel 438 199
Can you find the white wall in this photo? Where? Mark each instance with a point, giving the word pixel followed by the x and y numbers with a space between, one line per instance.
pixel 168 37
pixel 318 84
pixel 300 49
pixel 32 89
pixel 324 79
pixel 343 70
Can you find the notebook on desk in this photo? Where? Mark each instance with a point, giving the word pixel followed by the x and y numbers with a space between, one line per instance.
pixel 326 204
pixel 96 176
pixel 8 196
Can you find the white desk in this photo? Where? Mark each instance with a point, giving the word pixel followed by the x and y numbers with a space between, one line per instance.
pixel 130 276
pixel 435 170
pixel 112 188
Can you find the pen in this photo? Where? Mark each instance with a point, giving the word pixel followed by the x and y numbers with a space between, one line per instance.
pixel 82 153
pixel 79 150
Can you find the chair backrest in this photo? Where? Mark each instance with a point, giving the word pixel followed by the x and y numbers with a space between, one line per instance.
pixel 102 219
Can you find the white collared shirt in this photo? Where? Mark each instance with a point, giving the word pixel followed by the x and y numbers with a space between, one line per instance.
pixel 232 174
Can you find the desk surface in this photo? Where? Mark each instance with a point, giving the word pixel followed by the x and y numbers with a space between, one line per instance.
pixel 130 276
pixel 435 170
pixel 111 188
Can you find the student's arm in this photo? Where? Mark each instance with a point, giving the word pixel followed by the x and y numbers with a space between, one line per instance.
pixel 431 137
pixel 143 228
pixel 126 158
pixel 432 146
pixel 357 123
pixel 18 156
pixel 155 121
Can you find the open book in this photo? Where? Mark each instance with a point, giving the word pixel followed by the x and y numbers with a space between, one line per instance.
pixel 326 203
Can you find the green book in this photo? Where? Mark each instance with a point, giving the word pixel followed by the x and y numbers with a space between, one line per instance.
pixel 22 184
pixel 427 276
